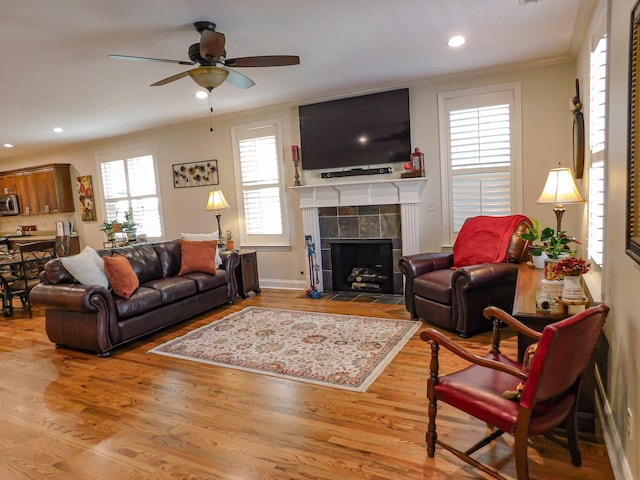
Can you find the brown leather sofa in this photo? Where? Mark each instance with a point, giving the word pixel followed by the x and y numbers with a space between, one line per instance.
pixel 455 299
pixel 92 318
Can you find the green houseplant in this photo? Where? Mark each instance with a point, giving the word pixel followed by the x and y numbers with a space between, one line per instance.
pixel 130 227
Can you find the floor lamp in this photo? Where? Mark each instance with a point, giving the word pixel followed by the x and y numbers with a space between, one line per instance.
pixel 217 202
pixel 560 189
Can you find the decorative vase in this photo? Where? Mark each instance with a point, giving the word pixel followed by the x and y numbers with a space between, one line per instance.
pixel 538 261
pixel 549 263
pixel 230 245
pixel 572 290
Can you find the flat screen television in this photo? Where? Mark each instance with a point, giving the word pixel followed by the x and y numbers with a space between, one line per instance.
pixel 359 131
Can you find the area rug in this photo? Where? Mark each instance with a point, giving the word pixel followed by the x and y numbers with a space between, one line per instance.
pixel 341 351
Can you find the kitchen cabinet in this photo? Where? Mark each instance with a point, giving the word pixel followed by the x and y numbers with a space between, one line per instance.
pixel 45 189
pixel 7 183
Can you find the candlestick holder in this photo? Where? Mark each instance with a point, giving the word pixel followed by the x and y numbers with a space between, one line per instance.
pixel 295 154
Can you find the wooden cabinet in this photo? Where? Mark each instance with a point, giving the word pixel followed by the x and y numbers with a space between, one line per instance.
pixel 45 189
pixel 7 183
pixel 247 274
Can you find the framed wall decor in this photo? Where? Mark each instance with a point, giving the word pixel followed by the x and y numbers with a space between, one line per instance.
pixel 578 134
pixel 85 196
pixel 633 157
pixel 195 174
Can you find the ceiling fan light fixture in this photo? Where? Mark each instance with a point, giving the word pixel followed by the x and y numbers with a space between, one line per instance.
pixel 209 77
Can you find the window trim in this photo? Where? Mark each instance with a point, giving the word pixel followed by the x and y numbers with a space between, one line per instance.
pixel 246 240
pixel 448 237
pixel 121 153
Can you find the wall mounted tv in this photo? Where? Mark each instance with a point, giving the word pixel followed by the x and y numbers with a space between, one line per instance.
pixel 358 131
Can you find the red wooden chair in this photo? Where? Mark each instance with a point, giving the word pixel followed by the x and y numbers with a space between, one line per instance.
pixel 549 385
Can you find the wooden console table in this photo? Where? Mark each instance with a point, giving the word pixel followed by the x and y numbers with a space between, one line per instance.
pixel 524 309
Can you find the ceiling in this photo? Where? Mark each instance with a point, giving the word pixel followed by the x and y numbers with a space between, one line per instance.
pixel 56 71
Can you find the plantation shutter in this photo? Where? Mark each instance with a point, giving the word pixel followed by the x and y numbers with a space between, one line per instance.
pixel 129 185
pixel 481 162
pixel 597 146
pixel 260 184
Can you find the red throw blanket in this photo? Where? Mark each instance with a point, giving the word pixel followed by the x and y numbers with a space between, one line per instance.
pixel 484 239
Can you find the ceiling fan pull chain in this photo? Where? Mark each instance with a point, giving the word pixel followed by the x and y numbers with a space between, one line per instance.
pixel 210 112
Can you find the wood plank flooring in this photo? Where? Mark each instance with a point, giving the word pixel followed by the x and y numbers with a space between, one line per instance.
pixel 136 415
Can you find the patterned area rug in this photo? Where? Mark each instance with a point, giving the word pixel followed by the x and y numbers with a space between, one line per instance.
pixel 341 351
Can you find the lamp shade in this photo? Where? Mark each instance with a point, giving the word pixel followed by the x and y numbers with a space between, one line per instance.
pixel 560 187
pixel 216 201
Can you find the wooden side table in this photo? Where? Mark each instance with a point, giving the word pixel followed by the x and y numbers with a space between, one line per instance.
pixel 247 273
pixel 524 309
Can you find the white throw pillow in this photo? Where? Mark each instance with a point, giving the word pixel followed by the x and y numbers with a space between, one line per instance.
pixel 203 237
pixel 87 267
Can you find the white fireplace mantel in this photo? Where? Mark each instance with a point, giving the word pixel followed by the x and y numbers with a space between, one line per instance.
pixel 406 192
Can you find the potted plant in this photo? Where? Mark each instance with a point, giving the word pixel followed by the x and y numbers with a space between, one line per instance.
pixel 571 269
pixel 533 235
pixel 555 248
pixel 130 227
pixel 228 237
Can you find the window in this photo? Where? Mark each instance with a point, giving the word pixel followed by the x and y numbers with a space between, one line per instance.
pixel 481 161
pixel 258 159
pixel 129 184
pixel 597 148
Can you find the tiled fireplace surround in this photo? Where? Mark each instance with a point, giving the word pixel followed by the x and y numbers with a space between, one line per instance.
pixel 353 210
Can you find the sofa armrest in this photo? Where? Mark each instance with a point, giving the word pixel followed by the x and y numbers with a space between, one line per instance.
pixel 72 296
pixel 484 275
pixel 413 266
pixel 230 262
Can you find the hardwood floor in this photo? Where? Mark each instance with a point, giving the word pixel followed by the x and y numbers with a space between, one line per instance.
pixel 136 415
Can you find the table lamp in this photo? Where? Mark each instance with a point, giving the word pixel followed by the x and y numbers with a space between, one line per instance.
pixel 217 202
pixel 560 189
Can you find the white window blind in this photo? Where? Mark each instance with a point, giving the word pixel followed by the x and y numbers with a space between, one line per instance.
pixel 597 147
pixel 480 161
pixel 597 96
pixel 128 181
pixel 260 184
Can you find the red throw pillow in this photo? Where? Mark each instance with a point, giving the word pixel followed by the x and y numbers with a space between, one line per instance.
pixel 122 278
pixel 198 256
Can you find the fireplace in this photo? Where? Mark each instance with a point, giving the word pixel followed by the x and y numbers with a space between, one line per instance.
pixel 362 265
pixel 396 202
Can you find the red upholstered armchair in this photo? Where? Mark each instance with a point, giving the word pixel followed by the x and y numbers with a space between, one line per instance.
pixel 451 290
pixel 548 385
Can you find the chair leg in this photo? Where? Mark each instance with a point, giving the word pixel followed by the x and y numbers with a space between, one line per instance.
pixel 432 436
pixel 571 424
pixel 520 447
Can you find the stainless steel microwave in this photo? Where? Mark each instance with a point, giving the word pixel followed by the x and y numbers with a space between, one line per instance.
pixel 9 205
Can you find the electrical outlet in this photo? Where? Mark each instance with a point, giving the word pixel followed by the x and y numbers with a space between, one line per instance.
pixel 630 429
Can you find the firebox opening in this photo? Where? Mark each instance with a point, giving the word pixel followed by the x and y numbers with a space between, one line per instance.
pixel 362 265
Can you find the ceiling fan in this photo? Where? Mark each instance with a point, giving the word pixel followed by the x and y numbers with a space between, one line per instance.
pixel 211 56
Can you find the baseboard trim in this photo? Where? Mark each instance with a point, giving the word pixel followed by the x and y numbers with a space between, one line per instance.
pixel 612 438
pixel 284 284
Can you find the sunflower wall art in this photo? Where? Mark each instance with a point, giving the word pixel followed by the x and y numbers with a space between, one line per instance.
pixel 195 174
pixel 85 195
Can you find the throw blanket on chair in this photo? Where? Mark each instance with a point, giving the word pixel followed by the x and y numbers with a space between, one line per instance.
pixel 484 239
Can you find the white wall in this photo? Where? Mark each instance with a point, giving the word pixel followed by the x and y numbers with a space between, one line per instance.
pixel 622 275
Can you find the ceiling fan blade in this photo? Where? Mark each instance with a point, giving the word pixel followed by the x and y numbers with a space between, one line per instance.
pixel 173 78
pixel 263 61
pixel 239 80
pixel 211 44
pixel 149 59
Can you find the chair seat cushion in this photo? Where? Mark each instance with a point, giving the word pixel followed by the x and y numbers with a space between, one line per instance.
pixel 435 286
pixel 478 391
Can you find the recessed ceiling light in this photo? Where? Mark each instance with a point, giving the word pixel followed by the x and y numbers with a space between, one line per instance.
pixel 8 145
pixel 201 94
pixel 58 129
pixel 456 41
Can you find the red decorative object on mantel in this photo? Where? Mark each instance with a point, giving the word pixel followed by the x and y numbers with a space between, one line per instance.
pixel 415 166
